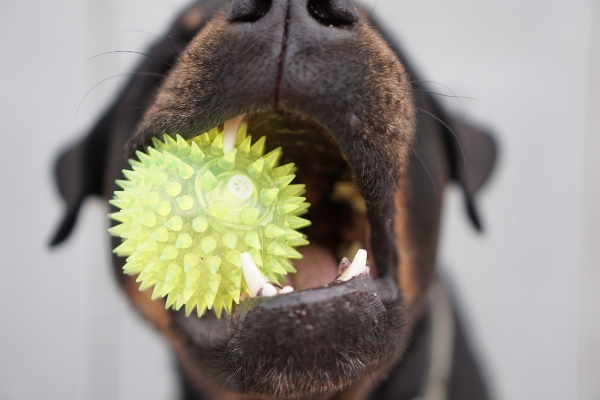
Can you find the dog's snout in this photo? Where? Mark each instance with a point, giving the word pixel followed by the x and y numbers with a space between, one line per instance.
pixel 333 12
pixel 248 10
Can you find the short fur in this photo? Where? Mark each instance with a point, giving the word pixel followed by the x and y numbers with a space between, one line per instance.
pixel 325 61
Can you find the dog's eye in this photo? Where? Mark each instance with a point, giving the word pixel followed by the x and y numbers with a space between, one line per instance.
pixel 248 10
pixel 333 12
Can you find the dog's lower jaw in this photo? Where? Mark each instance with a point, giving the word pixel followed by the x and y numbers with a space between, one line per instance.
pixel 198 385
pixel 294 346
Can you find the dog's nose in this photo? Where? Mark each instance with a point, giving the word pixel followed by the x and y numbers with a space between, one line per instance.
pixel 333 12
pixel 248 10
pixel 327 12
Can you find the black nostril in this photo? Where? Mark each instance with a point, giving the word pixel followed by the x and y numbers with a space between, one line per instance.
pixel 333 12
pixel 248 10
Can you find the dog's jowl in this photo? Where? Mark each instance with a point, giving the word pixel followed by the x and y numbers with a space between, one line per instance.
pixel 322 81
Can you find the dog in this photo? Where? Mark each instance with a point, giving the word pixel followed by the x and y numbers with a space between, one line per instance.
pixel 324 81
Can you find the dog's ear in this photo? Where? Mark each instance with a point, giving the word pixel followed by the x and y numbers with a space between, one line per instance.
pixel 472 154
pixel 79 172
pixel 80 169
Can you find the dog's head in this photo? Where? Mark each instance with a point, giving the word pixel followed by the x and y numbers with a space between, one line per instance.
pixel 318 79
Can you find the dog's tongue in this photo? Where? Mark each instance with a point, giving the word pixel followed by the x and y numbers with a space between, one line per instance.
pixel 315 269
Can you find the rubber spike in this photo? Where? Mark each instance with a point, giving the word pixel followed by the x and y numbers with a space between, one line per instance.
pixel 255 169
pixel 185 202
pixel 252 240
pixel 272 157
pixel 208 181
pixel 268 195
pixel 258 148
pixel 297 222
pixel 162 208
pixel 182 146
pixel 216 146
pixel 228 160
pixel 170 143
pixel 283 181
pixel 294 190
pixel 196 155
pixel 185 171
pixel 244 147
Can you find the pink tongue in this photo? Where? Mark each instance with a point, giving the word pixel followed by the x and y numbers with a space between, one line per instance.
pixel 316 269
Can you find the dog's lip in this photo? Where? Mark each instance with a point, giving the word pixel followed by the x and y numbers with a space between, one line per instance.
pixel 211 332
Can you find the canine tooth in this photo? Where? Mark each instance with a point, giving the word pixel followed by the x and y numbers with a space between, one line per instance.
pixel 286 289
pixel 268 290
pixel 230 132
pixel 254 278
pixel 358 266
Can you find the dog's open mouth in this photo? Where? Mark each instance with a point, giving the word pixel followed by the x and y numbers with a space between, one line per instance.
pixel 340 294
pixel 339 104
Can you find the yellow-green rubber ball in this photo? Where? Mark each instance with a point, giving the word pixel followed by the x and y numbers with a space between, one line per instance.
pixel 188 210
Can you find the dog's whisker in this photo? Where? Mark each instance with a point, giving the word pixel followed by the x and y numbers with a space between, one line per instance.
pixel 426 169
pixel 169 38
pixel 155 36
pixel 446 95
pixel 148 74
pixel 126 51
pixel 159 37
pixel 451 91
pixel 453 134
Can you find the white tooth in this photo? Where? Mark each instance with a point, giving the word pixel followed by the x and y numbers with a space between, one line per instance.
pixel 268 290
pixel 230 131
pixel 286 289
pixel 254 278
pixel 358 266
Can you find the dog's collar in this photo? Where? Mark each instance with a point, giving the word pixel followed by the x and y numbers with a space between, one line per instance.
pixel 440 338
pixel 425 370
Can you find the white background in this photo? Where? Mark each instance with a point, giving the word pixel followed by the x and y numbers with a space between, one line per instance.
pixel 529 287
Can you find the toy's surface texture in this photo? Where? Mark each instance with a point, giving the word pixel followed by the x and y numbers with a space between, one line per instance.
pixel 190 208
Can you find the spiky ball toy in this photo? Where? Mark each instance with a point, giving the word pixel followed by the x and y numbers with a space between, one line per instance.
pixel 189 209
